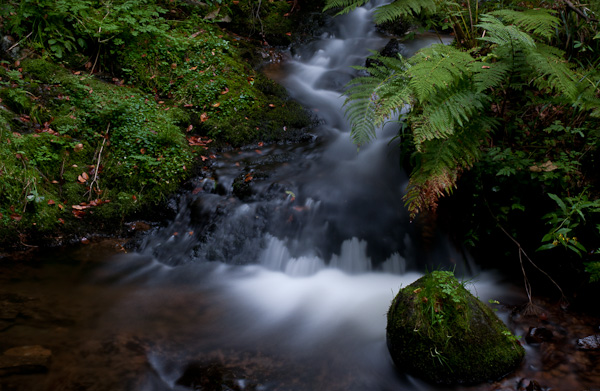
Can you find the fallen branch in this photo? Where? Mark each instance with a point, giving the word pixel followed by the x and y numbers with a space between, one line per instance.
pixel 531 308
pixel 95 180
pixel 579 12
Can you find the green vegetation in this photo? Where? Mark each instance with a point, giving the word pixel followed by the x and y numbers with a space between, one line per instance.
pixel 507 114
pixel 438 331
pixel 107 106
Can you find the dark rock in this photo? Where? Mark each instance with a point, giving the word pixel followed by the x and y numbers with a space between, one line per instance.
pixel 529 385
pixel 591 342
pixel 391 49
pixel 538 335
pixel 437 330
pixel 210 377
pixel 25 360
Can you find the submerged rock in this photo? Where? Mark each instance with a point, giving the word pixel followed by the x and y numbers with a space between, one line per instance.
pixel 438 331
pixel 25 360
pixel 591 342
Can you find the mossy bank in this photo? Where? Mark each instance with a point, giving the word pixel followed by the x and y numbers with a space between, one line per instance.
pixel 438 331
pixel 107 107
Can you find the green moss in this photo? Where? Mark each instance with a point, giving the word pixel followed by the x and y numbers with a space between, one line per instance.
pixel 199 70
pixel 439 331
pixel 270 21
pixel 99 139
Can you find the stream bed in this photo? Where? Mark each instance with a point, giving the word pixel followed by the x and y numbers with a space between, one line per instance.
pixel 276 273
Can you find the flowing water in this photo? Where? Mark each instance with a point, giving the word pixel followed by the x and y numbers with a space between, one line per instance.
pixel 283 285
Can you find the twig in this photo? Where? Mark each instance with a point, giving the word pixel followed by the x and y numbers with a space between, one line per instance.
pixel 579 12
pixel 18 43
pixel 98 163
pixel 522 252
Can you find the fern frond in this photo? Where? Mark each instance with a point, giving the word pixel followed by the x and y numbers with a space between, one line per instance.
pixel 346 5
pixel 541 22
pixel 438 66
pixel 403 8
pixel 490 75
pixel 440 163
pixel 374 98
pixel 496 32
pixel 447 112
pixel 553 71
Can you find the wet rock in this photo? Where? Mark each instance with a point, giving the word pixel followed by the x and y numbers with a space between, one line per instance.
pixel 538 335
pixel 529 385
pixel 391 49
pixel 591 342
pixel 25 360
pixel 139 226
pixel 437 330
pixel 9 47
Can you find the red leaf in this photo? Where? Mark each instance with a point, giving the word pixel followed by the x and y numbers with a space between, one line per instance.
pixel 16 217
pixel 51 202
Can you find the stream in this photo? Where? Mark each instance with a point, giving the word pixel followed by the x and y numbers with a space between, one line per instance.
pixel 276 273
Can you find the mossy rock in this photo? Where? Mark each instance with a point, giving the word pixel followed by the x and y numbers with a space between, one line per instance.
pixel 438 331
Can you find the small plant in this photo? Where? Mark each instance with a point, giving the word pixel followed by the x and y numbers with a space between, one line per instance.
pixel 571 214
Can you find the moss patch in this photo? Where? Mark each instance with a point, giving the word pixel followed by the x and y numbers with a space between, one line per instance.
pixel 438 331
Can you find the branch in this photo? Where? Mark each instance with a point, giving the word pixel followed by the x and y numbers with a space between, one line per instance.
pixel 578 11
pixel 95 180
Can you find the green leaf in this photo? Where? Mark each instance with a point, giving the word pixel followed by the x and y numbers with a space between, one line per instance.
pixel 547 246
pixel 560 202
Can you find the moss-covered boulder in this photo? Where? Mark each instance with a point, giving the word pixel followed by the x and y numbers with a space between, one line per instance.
pixel 438 331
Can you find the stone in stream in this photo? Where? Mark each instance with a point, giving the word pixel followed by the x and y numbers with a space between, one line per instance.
pixel 538 335
pixel 438 331
pixel 591 342
pixel 25 360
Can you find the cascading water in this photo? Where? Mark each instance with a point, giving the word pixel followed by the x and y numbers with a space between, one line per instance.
pixel 293 277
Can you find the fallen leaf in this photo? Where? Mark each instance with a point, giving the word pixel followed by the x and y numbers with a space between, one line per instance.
pixel 60 220
pixel 203 117
pixel 225 91
pixel 216 105
pixel 485 67
pixel 51 202
pixel 16 217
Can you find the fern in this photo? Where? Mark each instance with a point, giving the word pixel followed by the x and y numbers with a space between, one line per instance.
pixel 496 32
pixel 437 67
pixel 440 163
pixel 404 8
pixel 388 12
pixel 487 76
pixel 553 71
pixel 447 112
pixel 372 99
pixel 346 5
pixel 540 22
